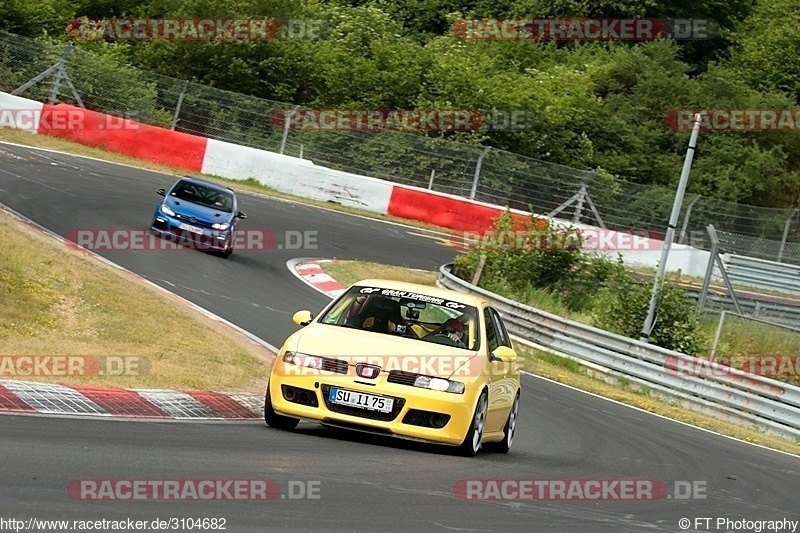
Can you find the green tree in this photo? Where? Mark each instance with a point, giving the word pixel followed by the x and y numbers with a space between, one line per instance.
pixel 766 49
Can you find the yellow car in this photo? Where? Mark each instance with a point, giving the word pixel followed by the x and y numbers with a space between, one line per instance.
pixel 400 359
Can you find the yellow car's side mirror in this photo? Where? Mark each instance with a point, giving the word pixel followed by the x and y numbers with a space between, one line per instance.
pixel 302 318
pixel 504 354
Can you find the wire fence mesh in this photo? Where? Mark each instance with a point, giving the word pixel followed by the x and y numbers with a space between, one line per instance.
pixel 443 165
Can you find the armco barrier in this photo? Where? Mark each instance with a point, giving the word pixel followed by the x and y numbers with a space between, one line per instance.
pixel 20 113
pixel 762 274
pixel 124 136
pixel 444 210
pixel 769 403
pixel 301 177
pixel 295 176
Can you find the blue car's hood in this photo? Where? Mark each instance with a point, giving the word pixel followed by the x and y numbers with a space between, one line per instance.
pixel 200 212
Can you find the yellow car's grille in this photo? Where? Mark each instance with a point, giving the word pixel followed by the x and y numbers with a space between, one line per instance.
pixel 402 378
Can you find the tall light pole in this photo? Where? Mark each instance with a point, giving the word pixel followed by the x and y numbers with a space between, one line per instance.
pixel 673 221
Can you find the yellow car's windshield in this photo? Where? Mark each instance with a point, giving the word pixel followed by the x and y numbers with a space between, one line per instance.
pixel 410 315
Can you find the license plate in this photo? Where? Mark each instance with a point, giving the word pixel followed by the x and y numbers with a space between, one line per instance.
pixel 193 229
pixel 361 400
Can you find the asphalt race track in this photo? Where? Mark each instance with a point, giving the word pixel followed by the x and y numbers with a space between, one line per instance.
pixel 331 480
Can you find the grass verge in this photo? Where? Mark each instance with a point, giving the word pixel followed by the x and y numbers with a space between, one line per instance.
pixel 569 372
pixel 58 301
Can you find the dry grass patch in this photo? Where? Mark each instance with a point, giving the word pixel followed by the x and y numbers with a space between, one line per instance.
pixel 348 272
pixel 59 301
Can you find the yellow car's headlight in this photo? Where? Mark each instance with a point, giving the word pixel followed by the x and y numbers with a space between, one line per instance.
pixel 316 362
pixel 301 359
pixel 440 384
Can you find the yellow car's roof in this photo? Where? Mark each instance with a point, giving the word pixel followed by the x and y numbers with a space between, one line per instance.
pixel 429 290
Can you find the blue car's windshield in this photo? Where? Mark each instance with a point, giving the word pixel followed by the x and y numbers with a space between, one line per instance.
pixel 202 195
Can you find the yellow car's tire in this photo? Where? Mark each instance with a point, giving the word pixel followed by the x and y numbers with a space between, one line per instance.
pixel 273 419
pixel 472 441
pixel 508 431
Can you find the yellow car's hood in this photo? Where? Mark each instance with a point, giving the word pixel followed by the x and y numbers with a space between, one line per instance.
pixel 387 352
pixel 329 340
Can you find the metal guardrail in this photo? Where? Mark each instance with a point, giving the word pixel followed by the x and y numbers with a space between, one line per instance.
pixel 762 274
pixel 775 312
pixel 753 398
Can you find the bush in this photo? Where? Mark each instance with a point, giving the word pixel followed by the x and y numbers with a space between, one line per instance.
pixel 621 307
pixel 535 254
pixel 534 260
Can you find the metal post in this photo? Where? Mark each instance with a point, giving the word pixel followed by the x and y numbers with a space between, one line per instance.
pixel 647 328
pixel 728 284
pixel 478 172
pixel 178 106
pixel 478 271
pixel 786 234
pixel 286 128
pixel 60 71
pixel 430 183
pixel 576 217
pixel 712 234
pixel 716 337
pixel 59 74
pixel 682 239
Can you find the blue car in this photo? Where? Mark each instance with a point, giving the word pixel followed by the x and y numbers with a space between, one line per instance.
pixel 198 214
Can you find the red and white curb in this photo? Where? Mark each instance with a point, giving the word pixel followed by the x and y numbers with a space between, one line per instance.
pixel 48 398
pixel 310 272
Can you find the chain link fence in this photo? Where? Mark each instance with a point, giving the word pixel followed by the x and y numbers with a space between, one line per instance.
pixel 457 168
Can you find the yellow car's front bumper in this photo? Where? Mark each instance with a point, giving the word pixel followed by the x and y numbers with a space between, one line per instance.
pixel 416 412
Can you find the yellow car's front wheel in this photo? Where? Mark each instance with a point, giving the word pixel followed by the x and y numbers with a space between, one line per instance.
pixel 508 431
pixel 273 419
pixel 472 441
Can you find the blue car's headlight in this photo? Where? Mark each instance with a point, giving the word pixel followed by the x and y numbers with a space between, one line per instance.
pixel 167 211
pixel 221 225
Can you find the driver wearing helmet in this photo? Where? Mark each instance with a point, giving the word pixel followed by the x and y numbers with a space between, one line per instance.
pixel 453 328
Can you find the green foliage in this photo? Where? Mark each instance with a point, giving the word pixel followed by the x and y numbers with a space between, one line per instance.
pixel 537 255
pixel 767 47
pixel 621 307
pixel 592 105
pixel 532 257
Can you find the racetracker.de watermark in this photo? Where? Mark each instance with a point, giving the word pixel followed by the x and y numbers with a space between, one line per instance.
pixel 578 489
pixel 590 239
pixel 584 29
pixel 64 120
pixel 735 119
pixel 401 119
pixel 768 366
pixel 143 240
pixel 193 489
pixel 15 366
pixel 371 366
pixel 193 29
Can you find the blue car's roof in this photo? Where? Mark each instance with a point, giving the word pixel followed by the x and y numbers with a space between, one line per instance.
pixel 205 184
